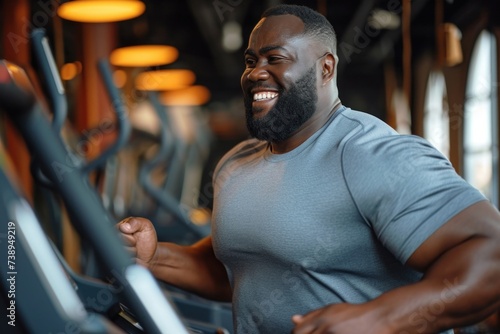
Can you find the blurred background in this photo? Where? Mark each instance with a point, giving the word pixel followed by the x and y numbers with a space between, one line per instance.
pixel 426 67
pixel 422 66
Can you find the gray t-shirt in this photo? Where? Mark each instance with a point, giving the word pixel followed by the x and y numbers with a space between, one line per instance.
pixel 331 221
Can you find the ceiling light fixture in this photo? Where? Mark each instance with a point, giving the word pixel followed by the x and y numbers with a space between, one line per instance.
pixel 70 70
pixel 98 11
pixel 192 96
pixel 383 19
pixel 144 55
pixel 162 80
pixel 232 39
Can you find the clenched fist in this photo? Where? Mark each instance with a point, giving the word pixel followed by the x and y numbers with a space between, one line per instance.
pixel 141 240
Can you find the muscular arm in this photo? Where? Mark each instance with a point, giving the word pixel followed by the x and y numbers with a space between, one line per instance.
pixel 193 268
pixel 461 285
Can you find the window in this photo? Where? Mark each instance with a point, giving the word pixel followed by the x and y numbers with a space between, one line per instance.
pixel 436 119
pixel 480 130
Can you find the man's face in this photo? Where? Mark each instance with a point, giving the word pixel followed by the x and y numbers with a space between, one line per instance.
pixel 294 106
pixel 279 82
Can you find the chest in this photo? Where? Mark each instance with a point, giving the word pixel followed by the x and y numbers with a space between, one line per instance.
pixel 287 213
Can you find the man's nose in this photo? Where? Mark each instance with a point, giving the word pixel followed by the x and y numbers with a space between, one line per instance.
pixel 258 73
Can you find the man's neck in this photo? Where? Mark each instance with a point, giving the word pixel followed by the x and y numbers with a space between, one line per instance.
pixel 315 123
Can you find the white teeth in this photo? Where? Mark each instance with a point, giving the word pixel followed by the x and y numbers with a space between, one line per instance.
pixel 264 96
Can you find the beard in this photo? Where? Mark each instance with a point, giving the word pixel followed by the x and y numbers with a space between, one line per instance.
pixel 293 108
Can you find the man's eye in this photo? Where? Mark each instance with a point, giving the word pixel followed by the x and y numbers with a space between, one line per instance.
pixel 274 59
pixel 249 62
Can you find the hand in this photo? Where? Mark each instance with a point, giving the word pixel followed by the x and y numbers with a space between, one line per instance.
pixel 141 240
pixel 339 319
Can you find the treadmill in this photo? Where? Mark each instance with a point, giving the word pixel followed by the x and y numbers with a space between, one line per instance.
pixel 45 296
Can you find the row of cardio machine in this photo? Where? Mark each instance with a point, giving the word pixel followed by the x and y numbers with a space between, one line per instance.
pixel 41 293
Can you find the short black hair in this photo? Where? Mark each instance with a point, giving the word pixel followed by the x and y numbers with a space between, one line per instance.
pixel 315 25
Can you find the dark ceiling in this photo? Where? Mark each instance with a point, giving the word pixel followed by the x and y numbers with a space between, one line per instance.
pixel 195 27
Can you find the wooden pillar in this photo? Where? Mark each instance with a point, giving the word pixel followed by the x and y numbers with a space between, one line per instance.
pixel 94 108
pixel 15 16
pixel 456 83
pixel 93 111
pixel 425 64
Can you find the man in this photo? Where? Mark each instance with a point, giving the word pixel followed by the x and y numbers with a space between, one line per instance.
pixel 329 221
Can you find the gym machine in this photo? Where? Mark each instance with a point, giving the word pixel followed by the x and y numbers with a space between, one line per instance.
pixel 191 307
pixel 143 306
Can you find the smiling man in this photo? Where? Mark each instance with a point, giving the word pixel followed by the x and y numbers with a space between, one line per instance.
pixel 280 80
pixel 328 221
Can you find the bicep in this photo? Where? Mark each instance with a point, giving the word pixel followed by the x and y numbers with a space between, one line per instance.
pixel 479 221
pixel 203 249
pixel 204 252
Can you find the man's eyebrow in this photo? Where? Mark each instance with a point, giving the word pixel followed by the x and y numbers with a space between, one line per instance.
pixel 265 49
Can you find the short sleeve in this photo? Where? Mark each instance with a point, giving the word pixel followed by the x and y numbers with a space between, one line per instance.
pixel 404 188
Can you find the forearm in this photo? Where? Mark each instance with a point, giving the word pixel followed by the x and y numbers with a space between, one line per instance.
pixel 192 268
pixel 451 294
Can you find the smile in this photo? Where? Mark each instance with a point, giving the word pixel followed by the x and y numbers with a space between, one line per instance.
pixel 264 96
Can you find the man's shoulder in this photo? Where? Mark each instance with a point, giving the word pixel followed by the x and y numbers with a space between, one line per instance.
pixel 371 134
pixel 362 123
pixel 247 148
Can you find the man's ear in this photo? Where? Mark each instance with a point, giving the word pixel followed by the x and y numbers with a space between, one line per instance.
pixel 328 67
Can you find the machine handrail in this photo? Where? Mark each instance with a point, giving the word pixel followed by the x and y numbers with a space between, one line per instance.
pixel 91 220
pixel 124 126
pixel 54 86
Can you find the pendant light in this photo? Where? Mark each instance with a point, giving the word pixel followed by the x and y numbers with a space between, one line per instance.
pixel 99 11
